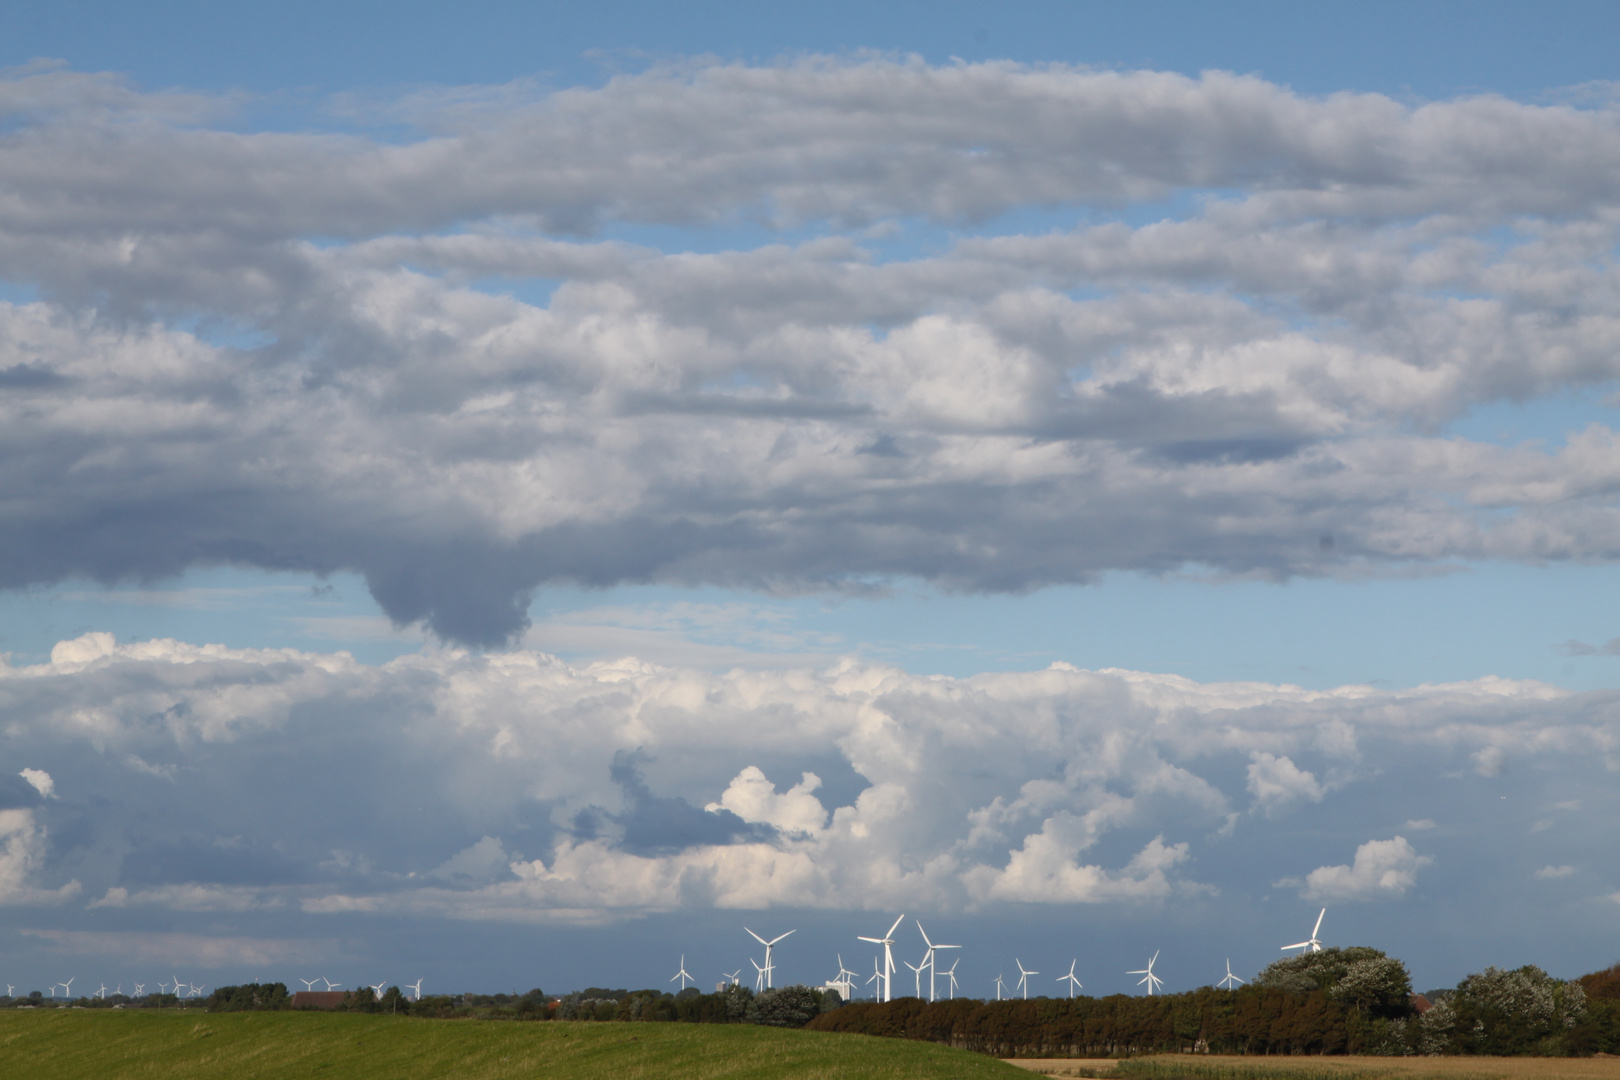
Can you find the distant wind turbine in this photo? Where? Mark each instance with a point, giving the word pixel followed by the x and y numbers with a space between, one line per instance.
pixel 102 993
pixel 887 941
pixel 950 973
pixel 330 985
pixel 1313 943
pixel 309 984
pixel 733 976
pixel 1231 982
pixel 682 974
pixel 1023 977
pixel 759 975
pixel 67 987
pixel 916 970
pixel 877 977
pixel 1074 983
pixel 377 989
pixel 928 960
pixel 415 989
pixel 140 988
pixel 1000 985
pixel 1148 977
pixel 844 980
pixel 769 946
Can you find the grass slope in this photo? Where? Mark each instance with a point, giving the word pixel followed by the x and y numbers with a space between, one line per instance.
pixel 154 1045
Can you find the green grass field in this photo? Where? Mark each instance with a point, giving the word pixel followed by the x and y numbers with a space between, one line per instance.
pixel 155 1045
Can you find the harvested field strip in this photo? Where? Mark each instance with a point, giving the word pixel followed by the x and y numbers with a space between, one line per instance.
pixel 1170 1067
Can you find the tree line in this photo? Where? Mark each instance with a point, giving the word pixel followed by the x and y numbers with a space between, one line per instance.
pixel 1338 1001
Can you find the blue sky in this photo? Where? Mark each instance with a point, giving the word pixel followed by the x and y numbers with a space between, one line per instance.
pixel 555 413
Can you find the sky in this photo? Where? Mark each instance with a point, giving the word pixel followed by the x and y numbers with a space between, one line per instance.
pixel 512 496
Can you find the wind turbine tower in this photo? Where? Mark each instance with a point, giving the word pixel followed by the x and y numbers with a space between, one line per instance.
pixel 916 971
pixel 1148 977
pixel 682 974
pixel 769 946
pixel 1074 983
pixel 887 941
pixel 1313 943
pixel 928 958
pixel 1001 984
pixel 1023 977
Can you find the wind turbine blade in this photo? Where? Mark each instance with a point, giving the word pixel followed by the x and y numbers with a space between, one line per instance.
pixel 773 941
pixel 756 937
pixel 1318 927
pixel 873 940
pixel 924 934
pixel 896 925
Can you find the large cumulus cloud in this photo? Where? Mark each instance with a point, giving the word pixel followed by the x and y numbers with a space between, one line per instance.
pixel 513 786
pixel 293 351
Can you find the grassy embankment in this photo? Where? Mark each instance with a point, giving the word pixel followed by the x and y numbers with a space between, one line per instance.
pixel 155 1045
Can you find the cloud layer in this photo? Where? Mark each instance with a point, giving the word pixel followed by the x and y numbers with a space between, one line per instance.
pixel 516 787
pixel 1234 344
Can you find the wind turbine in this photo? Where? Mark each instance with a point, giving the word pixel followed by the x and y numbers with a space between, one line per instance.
pixel 416 989
pixel 309 984
pixel 769 945
pixel 196 991
pixel 1074 983
pixel 9 989
pixel 733 976
pixel 887 941
pixel 67 987
pixel 1001 984
pixel 1312 944
pixel 1230 979
pixel 950 973
pixel 377 989
pixel 102 993
pixel 929 958
pixel 845 978
pixel 140 988
pixel 1148 977
pixel 1023 977
pixel 917 972
pixel 759 975
pixel 877 977
pixel 329 984
pixel 682 974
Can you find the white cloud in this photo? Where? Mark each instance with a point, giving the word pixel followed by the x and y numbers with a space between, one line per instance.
pixel 41 782
pixel 752 797
pixel 1419 825
pixel 1489 761
pixel 636 788
pixel 1275 781
pixel 189 896
pixel 22 857
pixel 1552 872
pixel 1382 869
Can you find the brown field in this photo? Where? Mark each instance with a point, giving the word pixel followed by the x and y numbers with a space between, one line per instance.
pixel 1215 1067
